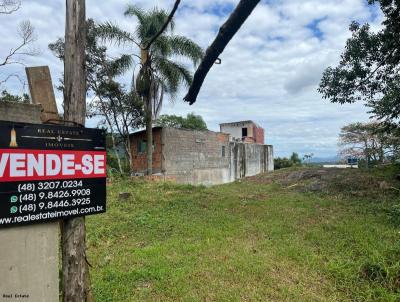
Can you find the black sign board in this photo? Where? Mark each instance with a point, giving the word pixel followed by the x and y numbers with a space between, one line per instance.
pixel 50 172
pixel 352 161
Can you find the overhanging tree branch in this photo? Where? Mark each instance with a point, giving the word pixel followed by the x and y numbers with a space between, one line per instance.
pixel 169 19
pixel 225 34
pixel 27 33
pixel 7 7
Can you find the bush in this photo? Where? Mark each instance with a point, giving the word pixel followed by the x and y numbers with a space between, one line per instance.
pixel 284 162
pixel 280 163
pixel 112 165
pixel 394 214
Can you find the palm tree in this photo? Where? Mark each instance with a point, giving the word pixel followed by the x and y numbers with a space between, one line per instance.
pixel 159 73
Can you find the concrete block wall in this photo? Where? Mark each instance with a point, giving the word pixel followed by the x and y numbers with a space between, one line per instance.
pixel 196 157
pixel 202 157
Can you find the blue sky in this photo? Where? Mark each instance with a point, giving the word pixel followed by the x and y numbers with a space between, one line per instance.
pixel 269 72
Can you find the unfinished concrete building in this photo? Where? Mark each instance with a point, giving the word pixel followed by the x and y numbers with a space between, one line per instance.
pixel 199 157
pixel 244 131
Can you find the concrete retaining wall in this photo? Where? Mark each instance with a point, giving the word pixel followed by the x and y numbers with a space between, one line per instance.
pixel 250 160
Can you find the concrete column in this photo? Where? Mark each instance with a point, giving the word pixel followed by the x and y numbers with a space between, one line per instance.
pixel 42 93
pixel 28 254
pixel 270 158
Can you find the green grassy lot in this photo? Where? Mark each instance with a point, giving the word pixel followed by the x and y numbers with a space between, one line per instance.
pixel 285 236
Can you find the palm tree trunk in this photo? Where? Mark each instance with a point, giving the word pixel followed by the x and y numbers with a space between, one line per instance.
pixel 144 90
pixel 149 135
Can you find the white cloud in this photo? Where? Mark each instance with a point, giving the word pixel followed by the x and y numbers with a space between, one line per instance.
pixel 269 72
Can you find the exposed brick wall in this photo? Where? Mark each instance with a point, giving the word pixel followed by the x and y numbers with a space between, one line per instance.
pixel 258 134
pixel 139 160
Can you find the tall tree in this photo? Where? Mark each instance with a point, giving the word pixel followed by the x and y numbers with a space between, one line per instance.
pixel 191 121
pixel 75 271
pixel 369 69
pixel 370 141
pixel 159 73
pixel 307 157
pixel 295 159
pixel 120 110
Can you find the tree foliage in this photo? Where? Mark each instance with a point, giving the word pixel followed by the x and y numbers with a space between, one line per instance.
pixel 191 121
pixel 369 67
pixel 5 96
pixel 157 48
pixel 295 159
pixel 369 141
pixel 284 162
pixel 119 109
pixel 308 157
pixel 162 74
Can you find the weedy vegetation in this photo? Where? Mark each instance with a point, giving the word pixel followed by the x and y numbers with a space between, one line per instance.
pixel 299 234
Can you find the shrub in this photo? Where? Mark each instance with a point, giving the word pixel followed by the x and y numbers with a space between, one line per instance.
pixel 394 214
pixel 280 163
pixel 284 162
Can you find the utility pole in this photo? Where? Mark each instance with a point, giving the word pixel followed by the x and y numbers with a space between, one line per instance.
pixel 75 272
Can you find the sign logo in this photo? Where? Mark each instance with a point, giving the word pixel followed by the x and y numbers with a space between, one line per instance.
pixel 13 141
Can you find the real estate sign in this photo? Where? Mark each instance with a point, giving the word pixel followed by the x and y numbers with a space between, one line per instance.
pixel 50 172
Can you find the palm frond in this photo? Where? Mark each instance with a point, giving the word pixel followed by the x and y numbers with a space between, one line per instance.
pixel 172 74
pixel 160 16
pixel 111 32
pixel 136 11
pixel 161 47
pixel 151 24
pixel 120 65
pixel 183 46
